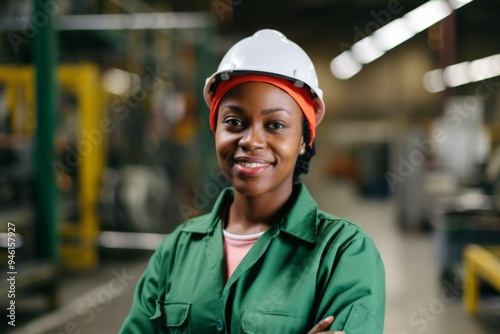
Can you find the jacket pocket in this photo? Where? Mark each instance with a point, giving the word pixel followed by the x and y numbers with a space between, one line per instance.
pixel 360 320
pixel 255 322
pixel 172 317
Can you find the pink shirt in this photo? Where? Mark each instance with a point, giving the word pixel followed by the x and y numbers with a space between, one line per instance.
pixel 236 246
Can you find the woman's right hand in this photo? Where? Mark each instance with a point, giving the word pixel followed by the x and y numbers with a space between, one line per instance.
pixel 323 324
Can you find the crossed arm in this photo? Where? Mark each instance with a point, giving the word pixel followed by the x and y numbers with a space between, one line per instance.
pixel 324 324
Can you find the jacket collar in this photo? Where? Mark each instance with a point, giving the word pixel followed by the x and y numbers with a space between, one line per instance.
pixel 300 221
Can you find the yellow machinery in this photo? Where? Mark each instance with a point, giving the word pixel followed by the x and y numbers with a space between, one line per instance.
pixel 79 239
pixel 484 263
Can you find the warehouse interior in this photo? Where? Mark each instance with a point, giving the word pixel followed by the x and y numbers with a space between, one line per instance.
pixel 105 147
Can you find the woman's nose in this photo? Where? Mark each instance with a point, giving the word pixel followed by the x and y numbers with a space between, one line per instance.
pixel 253 138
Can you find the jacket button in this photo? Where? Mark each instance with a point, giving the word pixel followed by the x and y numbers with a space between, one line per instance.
pixel 219 325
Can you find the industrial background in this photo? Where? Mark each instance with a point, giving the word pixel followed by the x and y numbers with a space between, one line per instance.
pixel 105 147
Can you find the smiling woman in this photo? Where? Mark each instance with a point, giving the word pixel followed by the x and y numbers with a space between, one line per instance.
pixel 258 139
pixel 266 259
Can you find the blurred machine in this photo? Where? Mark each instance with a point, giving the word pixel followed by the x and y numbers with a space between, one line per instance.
pixel 129 146
pixel 129 152
pixel 77 169
pixel 466 189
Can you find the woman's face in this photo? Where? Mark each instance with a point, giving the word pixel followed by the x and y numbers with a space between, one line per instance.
pixel 258 138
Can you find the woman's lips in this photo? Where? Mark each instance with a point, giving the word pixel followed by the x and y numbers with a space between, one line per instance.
pixel 251 168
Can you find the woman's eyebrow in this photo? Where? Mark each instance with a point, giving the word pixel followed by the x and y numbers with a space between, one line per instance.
pixel 241 110
pixel 234 107
pixel 273 110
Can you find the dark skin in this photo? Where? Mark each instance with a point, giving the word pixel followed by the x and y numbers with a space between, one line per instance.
pixel 258 124
pixel 258 138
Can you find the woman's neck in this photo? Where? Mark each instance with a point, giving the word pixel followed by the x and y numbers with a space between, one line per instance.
pixel 248 215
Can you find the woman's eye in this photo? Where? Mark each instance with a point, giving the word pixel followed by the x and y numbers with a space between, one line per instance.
pixel 234 122
pixel 276 125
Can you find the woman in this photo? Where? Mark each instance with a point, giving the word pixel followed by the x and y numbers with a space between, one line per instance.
pixel 266 259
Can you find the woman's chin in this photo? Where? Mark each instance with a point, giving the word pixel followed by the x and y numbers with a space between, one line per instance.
pixel 249 187
pixel 254 187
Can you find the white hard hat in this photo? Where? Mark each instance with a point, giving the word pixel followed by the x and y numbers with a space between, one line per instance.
pixel 269 52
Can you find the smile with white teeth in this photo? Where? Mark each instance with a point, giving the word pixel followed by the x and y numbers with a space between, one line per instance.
pixel 251 164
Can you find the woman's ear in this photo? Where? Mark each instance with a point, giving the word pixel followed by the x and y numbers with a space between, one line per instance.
pixel 319 112
pixel 302 146
pixel 210 97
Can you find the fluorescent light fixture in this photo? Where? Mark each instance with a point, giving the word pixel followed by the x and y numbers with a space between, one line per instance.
pixel 366 50
pixel 433 81
pixel 484 68
pixel 426 15
pixel 392 34
pixel 456 4
pixel 456 75
pixel 462 73
pixel 344 66
pixel 495 64
pixel 479 69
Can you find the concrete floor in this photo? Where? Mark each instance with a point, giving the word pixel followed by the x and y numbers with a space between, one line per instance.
pixel 418 301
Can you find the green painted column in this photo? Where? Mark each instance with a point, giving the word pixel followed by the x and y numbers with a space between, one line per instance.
pixel 45 63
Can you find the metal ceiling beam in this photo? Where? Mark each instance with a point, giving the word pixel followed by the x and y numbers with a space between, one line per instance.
pixel 136 21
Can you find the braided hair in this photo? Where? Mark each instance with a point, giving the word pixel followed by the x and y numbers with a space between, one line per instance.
pixel 302 164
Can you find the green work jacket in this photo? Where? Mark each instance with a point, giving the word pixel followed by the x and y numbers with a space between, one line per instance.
pixel 307 266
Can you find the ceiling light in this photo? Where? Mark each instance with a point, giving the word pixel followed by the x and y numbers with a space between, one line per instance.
pixel 365 51
pixel 459 3
pixel 456 75
pixel 344 66
pixel 462 73
pixel 433 81
pixel 484 68
pixel 392 34
pixel 480 69
pixel 426 15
